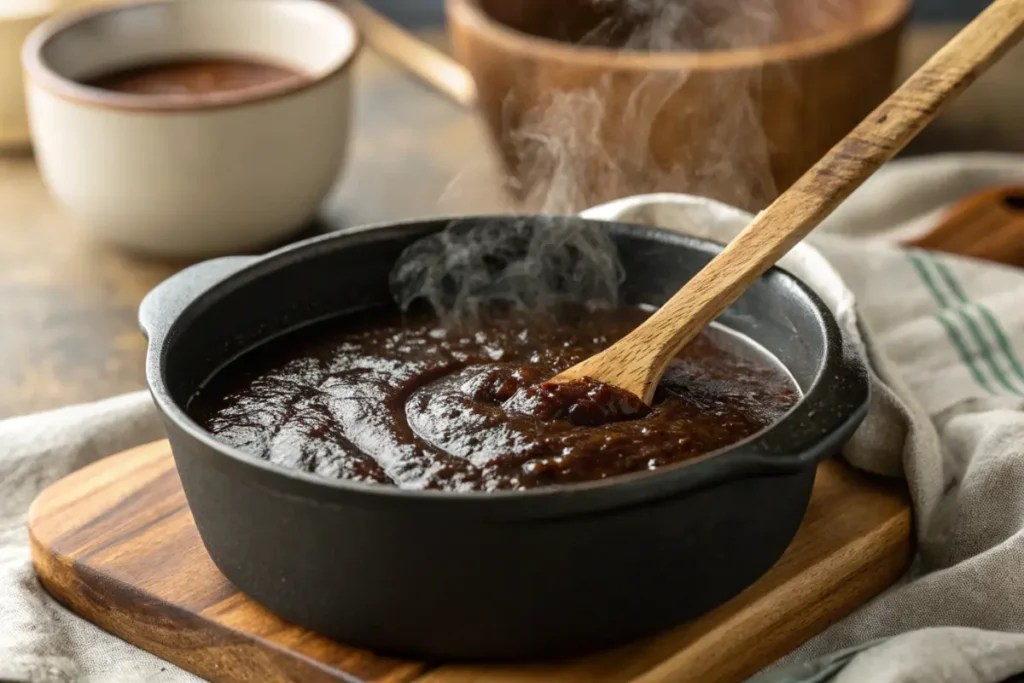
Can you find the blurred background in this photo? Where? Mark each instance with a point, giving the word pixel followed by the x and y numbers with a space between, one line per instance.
pixel 422 13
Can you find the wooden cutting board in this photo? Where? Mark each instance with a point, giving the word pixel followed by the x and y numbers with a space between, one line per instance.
pixel 116 543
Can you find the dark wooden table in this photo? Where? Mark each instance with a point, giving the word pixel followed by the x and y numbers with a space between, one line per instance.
pixel 68 304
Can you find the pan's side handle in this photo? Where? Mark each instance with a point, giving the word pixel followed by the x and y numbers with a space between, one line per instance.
pixel 162 306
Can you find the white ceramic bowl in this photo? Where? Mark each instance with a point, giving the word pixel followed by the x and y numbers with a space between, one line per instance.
pixel 192 176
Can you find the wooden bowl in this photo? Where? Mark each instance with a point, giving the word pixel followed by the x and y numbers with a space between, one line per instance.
pixel 589 101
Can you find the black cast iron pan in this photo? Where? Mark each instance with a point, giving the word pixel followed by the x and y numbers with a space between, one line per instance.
pixel 532 574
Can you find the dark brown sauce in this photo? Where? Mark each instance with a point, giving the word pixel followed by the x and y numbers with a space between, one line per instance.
pixel 193 77
pixel 376 398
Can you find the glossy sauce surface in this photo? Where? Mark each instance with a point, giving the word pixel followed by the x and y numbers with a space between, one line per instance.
pixel 193 77
pixel 404 401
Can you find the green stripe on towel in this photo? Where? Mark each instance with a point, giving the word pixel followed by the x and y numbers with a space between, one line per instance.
pixel 951 330
pixel 1002 339
pixel 955 306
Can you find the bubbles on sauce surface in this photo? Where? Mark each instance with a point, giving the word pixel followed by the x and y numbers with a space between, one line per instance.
pixel 583 402
pixel 402 400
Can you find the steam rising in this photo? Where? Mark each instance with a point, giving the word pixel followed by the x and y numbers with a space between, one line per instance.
pixel 579 138
pixel 576 141
pixel 567 163
pixel 468 269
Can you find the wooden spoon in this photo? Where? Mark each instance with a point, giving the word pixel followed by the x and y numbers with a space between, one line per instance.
pixel 637 361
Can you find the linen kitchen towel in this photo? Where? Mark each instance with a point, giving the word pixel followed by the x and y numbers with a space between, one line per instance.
pixel 945 337
pixel 948 336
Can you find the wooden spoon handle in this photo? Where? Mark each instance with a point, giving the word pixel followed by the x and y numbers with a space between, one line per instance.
pixel 431 65
pixel 637 362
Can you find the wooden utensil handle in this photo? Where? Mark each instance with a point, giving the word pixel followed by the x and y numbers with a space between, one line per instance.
pixel 801 208
pixel 423 60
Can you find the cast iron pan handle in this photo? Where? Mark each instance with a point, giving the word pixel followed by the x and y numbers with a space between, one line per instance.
pixel 831 412
pixel 168 299
pixel 818 429
pixel 821 423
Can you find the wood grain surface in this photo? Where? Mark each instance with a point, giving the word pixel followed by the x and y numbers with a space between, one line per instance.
pixel 637 362
pixel 116 543
pixel 68 304
pixel 986 225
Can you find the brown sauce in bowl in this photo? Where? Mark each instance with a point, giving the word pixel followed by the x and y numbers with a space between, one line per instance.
pixel 193 77
pixel 379 397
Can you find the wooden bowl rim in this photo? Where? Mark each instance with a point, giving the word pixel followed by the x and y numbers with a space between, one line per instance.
pixel 889 15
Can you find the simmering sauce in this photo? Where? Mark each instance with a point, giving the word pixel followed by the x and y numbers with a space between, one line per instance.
pixel 403 401
pixel 193 77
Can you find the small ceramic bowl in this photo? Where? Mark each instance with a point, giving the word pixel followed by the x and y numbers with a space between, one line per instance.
pixel 187 176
